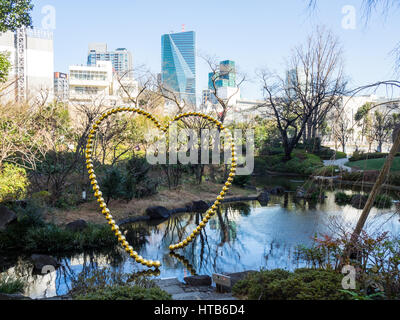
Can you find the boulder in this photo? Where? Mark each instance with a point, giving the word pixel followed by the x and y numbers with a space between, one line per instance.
pixel 158 213
pixel 277 191
pixel 359 201
pixel 41 262
pixel 301 193
pixel 77 226
pixel 4 297
pixel 198 281
pixel 6 217
pixel 263 198
pixel 200 206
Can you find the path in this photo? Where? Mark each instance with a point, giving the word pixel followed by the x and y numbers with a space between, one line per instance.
pixel 340 163
pixel 181 291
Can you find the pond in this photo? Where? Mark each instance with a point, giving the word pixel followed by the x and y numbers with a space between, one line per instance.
pixel 243 236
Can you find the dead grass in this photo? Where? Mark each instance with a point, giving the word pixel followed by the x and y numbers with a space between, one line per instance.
pixel 167 198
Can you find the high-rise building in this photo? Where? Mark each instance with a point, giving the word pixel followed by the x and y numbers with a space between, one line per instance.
pixel 61 86
pixel 121 58
pixel 178 69
pixel 31 54
pixel 224 77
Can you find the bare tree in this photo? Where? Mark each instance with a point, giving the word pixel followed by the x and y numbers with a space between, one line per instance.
pixel 224 104
pixel 313 86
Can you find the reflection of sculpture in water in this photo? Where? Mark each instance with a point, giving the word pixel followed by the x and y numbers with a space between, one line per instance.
pixel 136 277
pixel 185 262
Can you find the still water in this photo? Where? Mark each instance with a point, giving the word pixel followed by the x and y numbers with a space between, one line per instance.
pixel 243 236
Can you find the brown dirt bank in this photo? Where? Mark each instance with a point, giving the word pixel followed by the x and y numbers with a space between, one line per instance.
pixel 170 199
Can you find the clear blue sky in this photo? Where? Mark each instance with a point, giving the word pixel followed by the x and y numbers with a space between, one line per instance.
pixel 254 33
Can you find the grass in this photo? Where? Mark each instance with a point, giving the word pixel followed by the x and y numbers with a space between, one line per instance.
pixel 11 286
pixel 374 164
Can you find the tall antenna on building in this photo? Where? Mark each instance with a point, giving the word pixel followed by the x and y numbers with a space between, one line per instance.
pixel 183 27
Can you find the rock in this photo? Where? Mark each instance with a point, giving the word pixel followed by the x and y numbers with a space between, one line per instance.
pixel 42 261
pixel 250 187
pixel 4 296
pixel 200 206
pixel 359 201
pixel 301 193
pixel 198 281
pixel 77 226
pixel 277 191
pixel 6 217
pixel 158 213
pixel 263 198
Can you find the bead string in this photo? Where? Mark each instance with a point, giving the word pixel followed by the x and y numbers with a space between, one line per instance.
pixel 99 195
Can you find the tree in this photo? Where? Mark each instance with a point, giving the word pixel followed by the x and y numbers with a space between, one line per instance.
pixel 377 124
pixel 313 86
pixel 15 14
pixel 341 127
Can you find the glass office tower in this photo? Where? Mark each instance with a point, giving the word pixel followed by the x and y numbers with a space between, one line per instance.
pixel 121 58
pixel 178 69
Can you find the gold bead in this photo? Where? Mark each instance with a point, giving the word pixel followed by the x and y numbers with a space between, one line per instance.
pixel 171 247
pixel 106 211
pixel 157 264
pixel 202 224
pixel 111 222
pixel 94 182
pixel 185 242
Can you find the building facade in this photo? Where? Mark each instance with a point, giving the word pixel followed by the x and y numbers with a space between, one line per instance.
pixel 121 58
pixel 31 53
pixel 178 66
pixel 61 86
pixel 98 83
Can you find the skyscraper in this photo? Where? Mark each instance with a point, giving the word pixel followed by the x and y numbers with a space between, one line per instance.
pixel 224 77
pixel 178 69
pixel 121 58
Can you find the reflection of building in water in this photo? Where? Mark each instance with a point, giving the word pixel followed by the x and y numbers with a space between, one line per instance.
pixel 36 286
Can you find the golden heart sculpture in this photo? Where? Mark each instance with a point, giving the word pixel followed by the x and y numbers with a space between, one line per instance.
pixel 98 194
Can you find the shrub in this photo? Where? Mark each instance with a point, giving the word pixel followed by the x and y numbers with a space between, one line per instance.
pixel 11 286
pixel 13 183
pixel 41 198
pixel 303 284
pixel 125 292
pixel 104 284
pixel 357 156
pixel 383 201
pixel 241 180
pixel 32 234
pixel 341 198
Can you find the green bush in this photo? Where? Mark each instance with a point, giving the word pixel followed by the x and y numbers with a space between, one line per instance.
pixel 13 183
pixel 303 284
pixel 342 198
pixel 125 292
pixel 357 156
pixel 11 286
pixel 32 234
pixel 106 284
pixel 383 201
pixel 241 181
pixel 41 198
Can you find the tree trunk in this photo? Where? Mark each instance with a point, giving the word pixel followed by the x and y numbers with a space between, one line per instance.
pixel 377 187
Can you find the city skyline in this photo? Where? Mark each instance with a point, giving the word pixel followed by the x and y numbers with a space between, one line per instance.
pixel 256 35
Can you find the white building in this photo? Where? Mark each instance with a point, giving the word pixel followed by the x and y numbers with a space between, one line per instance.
pixel 61 86
pixel 90 83
pixel 31 53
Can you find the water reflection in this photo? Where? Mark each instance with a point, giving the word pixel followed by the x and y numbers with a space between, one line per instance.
pixel 242 236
